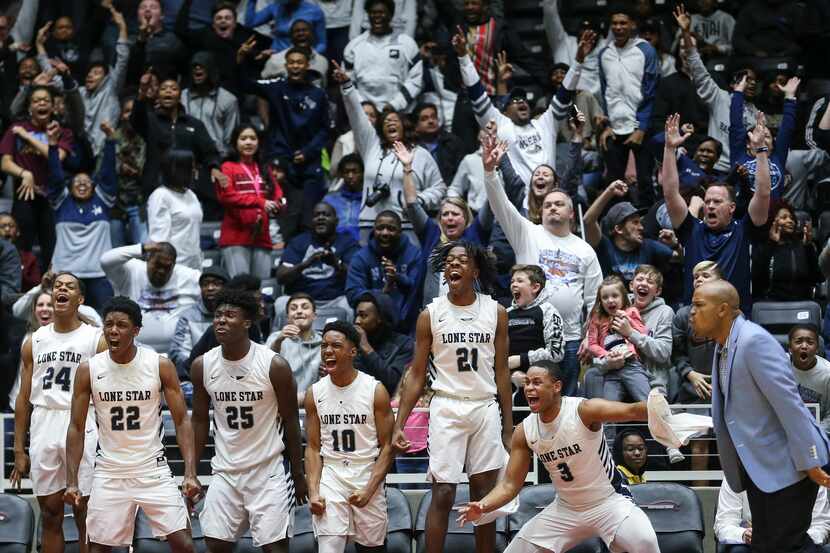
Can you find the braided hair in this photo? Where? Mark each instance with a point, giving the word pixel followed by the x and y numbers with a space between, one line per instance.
pixel 484 259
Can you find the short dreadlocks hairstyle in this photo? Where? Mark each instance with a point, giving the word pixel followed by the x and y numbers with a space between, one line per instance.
pixel 484 258
pixel 243 299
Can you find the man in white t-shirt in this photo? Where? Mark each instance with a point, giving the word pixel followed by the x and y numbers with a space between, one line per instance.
pixel 148 274
pixel 570 264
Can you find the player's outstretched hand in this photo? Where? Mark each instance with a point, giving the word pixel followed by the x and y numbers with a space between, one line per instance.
pixel 72 496
pixel 360 498
pixel 818 476
pixel 192 488
pixel 317 505
pixel 21 469
pixel 399 441
pixel 470 512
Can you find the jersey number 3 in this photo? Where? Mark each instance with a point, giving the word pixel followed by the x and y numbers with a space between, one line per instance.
pixel 467 359
pixel 62 379
pixel 565 472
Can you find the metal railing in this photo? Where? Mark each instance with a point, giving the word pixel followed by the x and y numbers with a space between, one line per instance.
pixel 402 479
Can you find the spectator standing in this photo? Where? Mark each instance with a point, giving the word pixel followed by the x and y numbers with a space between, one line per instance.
pixel 532 141
pixel 629 71
pixel 154 46
pixel 298 341
pixel 166 127
pixel 383 174
pixel 384 65
pixel 767 28
pixel 128 217
pixel 196 319
pixel 161 288
pixel 447 149
pixel 283 15
pixel 25 152
pixel 29 268
pixel 676 93
pixel 388 264
pixel 338 14
pixel 565 46
pixel 811 371
pixel 102 86
pixel 625 248
pixel 302 36
pixel 382 352
pixel 347 200
pixel 345 143
pixel 785 266
pixel 404 17
pixel 222 38
pixel 571 267
pixel 298 125
pixel 82 207
pixel 717 100
pixel 316 262
pixel 251 200
pixel 211 104
pixel 712 28
pixel 468 183
pixel 718 237
pixel 174 214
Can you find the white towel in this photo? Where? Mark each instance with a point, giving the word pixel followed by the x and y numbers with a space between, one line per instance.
pixel 673 430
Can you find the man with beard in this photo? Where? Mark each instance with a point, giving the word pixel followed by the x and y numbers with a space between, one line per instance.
pixel 623 249
pixel 211 104
pixel 298 125
pixel 447 149
pixel 196 319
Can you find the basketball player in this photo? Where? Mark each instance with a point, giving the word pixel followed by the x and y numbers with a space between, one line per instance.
pixel 51 357
pixel 463 336
pixel 126 384
pixel 349 429
pixel 255 416
pixel 592 498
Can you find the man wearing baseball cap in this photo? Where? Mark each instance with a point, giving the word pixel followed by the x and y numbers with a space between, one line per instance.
pixel 622 248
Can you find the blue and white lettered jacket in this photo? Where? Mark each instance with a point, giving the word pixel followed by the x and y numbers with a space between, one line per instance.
pixel 628 80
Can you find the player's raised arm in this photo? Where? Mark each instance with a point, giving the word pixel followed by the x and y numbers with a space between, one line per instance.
pixel 22 416
pixel 313 461
pixel 507 488
pixel 503 377
pixel 416 380
pixel 201 407
pixel 81 392
pixel 384 422
pixel 174 398
pixel 594 412
pixel 286 389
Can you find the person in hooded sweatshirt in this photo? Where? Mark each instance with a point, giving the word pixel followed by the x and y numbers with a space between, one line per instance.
pixel 211 104
pixel 388 264
pixel 298 342
pixel 382 352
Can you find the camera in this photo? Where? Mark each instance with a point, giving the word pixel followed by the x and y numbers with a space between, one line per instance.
pixel 379 192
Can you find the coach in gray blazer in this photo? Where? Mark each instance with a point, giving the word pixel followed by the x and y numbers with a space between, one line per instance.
pixel 769 443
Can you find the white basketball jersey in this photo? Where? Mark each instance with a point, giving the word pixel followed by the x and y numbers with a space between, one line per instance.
pixel 246 419
pixel 56 356
pixel 577 458
pixel 347 419
pixel 127 400
pixel 464 347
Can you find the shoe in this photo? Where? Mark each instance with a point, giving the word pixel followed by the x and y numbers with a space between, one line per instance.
pixel 675 456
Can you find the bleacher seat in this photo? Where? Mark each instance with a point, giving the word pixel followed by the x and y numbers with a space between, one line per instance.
pixel 211 258
pixel 675 513
pixel 145 542
pixel 399 533
pixel 70 531
pixel 17 524
pixel 303 539
pixel 778 316
pixel 209 234
pixel 823 228
pixel 459 539
pixel 532 500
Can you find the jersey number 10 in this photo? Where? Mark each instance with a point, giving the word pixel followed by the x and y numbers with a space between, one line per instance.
pixel 345 439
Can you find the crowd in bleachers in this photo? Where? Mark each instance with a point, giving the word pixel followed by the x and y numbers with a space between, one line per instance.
pixel 318 151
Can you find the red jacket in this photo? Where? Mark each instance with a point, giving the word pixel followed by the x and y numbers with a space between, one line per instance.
pixel 243 204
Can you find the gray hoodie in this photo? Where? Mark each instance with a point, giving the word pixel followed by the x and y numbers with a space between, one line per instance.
pixel 655 347
pixel 302 355
pixel 102 103
pixel 218 109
